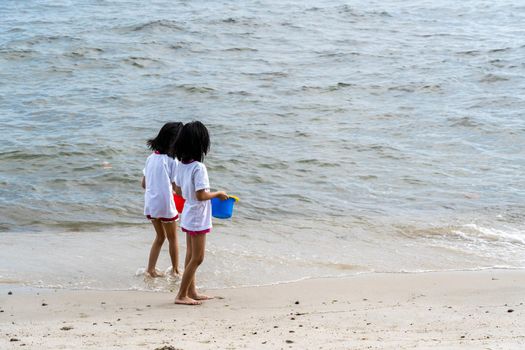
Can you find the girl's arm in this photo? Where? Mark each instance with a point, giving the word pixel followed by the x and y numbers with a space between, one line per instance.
pixel 144 182
pixel 176 189
pixel 202 195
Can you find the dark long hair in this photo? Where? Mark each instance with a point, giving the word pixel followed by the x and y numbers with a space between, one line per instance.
pixel 163 143
pixel 193 142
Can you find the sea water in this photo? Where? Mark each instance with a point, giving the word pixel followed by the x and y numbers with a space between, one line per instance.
pixel 360 136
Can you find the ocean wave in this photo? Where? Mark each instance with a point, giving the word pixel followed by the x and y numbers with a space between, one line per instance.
pixel 468 233
pixel 500 50
pixel 476 232
pixel 268 75
pixel 277 165
pixel 493 78
pixel 83 52
pixel 142 62
pixel 318 162
pixel 464 121
pixel 240 93
pixel 16 54
pixel 160 25
pixel 54 151
pixel 37 40
pixel 25 155
pixel 244 21
pixel 241 49
pixel 195 89
pixel 469 53
pixel 354 12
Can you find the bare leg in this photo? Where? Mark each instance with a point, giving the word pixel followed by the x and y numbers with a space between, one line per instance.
pixel 197 243
pixel 192 291
pixel 171 233
pixel 188 250
pixel 155 248
pixel 187 260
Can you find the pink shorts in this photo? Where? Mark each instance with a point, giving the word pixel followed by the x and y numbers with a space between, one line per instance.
pixel 175 218
pixel 193 233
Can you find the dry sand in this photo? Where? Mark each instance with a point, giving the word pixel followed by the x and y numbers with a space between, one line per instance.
pixel 446 310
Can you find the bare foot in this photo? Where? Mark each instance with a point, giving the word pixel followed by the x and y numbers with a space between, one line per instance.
pixel 175 274
pixel 187 301
pixel 154 274
pixel 198 296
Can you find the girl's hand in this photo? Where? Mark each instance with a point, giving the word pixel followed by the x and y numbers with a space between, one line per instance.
pixel 176 189
pixel 222 195
pixel 202 195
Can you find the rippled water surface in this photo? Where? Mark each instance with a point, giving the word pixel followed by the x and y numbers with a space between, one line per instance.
pixel 360 135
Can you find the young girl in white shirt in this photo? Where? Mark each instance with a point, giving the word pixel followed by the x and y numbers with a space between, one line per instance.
pixel 191 182
pixel 159 206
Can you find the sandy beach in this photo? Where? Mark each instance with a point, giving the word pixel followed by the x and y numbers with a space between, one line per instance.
pixel 441 310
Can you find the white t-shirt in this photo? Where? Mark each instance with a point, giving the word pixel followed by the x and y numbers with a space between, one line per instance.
pixel 160 173
pixel 193 177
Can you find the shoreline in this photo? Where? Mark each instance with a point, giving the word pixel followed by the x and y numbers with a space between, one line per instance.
pixel 7 286
pixel 231 258
pixel 439 310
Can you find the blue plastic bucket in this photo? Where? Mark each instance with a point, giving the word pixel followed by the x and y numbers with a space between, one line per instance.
pixel 223 209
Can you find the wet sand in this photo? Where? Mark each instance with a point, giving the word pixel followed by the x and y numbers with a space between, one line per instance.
pixel 445 310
